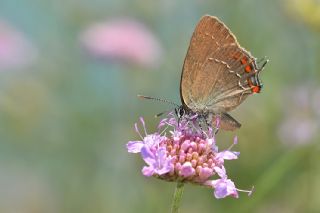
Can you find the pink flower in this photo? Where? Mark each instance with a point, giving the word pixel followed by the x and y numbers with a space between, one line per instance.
pixel 148 141
pixel 15 50
pixel 188 154
pixel 158 162
pixel 122 39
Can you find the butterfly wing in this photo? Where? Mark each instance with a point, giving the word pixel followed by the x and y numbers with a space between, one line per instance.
pixel 209 34
pixel 236 78
pixel 214 72
pixel 227 122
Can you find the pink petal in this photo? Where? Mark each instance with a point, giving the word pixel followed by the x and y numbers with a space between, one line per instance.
pixel 228 155
pixel 147 171
pixel 134 146
pixel 221 171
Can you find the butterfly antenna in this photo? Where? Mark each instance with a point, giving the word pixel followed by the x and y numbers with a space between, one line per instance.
pixel 157 99
pixel 161 113
pixel 265 61
pixel 161 100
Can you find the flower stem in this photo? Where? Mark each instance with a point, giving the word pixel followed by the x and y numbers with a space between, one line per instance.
pixel 177 197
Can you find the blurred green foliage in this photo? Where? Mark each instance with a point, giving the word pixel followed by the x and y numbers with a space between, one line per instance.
pixel 65 120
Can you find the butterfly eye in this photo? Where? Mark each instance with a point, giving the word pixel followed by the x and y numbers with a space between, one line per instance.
pixel 181 112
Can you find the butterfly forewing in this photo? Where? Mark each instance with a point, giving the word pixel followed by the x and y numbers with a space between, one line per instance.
pixel 209 36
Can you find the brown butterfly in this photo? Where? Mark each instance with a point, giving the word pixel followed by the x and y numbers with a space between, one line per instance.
pixel 218 74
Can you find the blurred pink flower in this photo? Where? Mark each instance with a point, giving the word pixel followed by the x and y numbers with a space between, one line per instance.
pixel 302 116
pixel 122 39
pixel 15 50
pixel 297 131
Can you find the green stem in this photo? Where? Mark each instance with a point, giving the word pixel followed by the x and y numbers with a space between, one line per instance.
pixel 177 197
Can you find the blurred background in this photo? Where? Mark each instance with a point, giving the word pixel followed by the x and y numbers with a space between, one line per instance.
pixel 70 72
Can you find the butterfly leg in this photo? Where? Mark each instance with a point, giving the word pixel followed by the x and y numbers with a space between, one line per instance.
pixel 212 122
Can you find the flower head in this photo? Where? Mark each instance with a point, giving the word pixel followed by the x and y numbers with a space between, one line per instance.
pixel 187 154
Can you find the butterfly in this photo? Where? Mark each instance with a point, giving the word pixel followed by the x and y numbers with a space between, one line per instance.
pixel 218 74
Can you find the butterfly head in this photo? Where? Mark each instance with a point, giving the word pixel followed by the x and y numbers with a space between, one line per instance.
pixel 180 111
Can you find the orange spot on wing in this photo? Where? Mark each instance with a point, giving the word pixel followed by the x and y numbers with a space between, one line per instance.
pixel 244 60
pixel 248 68
pixel 255 89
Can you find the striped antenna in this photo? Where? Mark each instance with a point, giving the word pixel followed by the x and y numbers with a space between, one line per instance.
pixel 157 99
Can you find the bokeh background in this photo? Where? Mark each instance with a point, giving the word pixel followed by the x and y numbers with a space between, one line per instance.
pixel 70 72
